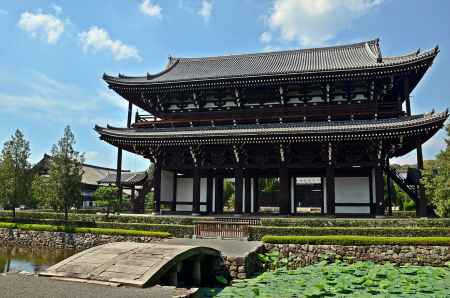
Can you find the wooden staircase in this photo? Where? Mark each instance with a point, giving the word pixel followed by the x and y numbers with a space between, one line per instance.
pixel 405 184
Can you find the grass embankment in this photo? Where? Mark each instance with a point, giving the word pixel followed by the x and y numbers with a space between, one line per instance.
pixel 357 240
pixel 71 229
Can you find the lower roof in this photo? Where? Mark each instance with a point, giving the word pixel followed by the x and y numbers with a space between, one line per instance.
pixel 308 130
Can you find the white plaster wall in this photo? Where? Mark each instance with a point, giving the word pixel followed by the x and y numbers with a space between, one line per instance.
pixel 167 186
pixel 203 187
pixel 184 207
pixel 353 209
pixel 184 189
pixel 352 190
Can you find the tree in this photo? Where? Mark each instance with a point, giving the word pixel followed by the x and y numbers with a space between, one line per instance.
pixel 15 172
pixel 106 196
pixel 66 172
pixel 43 192
pixel 228 194
pixel 437 180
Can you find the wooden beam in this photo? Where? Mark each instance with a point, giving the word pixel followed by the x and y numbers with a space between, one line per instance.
pixel 330 190
pixel 248 195
pixel 379 191
pixel 219 195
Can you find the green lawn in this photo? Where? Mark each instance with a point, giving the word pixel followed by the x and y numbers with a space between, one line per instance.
pixel 339 279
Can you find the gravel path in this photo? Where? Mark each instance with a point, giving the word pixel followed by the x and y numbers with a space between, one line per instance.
pixel 13 285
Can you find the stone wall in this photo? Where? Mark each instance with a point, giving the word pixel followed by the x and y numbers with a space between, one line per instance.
pixel 305 254
pixel 76 241
pixel 243 267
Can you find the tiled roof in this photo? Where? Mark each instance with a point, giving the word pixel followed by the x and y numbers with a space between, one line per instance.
pixel 132 178
pixel 363 55
pixel 292 128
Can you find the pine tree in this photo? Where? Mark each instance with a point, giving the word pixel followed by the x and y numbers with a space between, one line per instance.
pixel 15 172
pixel 66 172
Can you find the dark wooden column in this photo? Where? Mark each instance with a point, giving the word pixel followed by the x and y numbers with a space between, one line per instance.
pixel 285 191
pixel 173 206
pixel 406 96
pixel 219 195
pixel 238 189
pixel 119 157
pixel 255 195
pixel 421 205
pixel 331 210
pixel 389 194
pixel 379 191
pixel 196 192
pixel 209 193
pixel 157 188
pixel 119 175
pixel 248 195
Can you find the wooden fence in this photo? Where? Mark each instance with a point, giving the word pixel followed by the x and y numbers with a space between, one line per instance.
pixel 221 229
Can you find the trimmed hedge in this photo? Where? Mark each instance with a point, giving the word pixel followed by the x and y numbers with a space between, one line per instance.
pixel 355 222
pixel 37 215
pixel 357 240
pixel 71 229
pixel 258 232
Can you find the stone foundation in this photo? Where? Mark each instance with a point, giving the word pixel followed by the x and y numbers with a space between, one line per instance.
pixel 305 254
pixel 78 241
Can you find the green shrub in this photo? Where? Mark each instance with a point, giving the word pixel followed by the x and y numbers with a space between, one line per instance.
pixel 258 232
pixel 357 240
pixel 71 229
pixel 355 222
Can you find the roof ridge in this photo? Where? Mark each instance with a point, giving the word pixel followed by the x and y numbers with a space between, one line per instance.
pixel 220 57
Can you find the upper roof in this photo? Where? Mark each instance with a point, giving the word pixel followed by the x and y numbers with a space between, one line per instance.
pixel 357 56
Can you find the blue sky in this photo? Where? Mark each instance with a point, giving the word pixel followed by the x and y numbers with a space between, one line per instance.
pixel 53 53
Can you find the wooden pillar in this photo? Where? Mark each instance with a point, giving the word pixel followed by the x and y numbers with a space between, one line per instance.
pixel 330 172
pixel 219 195
pixel 406 96
pixel 248 195
pixel 196 192
pixel 421 204
pixel 173 206
pixel 209 193
pixel 285 192
pixel 157 188
pixel 119 175
pixel 255 195
pixel 238 189
pixel 389 194
pixel 379 191
pixel 134 203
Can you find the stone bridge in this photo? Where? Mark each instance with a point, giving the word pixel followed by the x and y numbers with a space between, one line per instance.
pixel 141 264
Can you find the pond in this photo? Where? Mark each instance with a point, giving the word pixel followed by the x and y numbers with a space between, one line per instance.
pixel 340 279
pixel 16 259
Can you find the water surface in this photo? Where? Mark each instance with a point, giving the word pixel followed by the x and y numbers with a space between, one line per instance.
pixel 16 259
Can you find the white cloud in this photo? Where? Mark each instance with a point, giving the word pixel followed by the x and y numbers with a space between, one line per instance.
pixel 206 9
pixel 113 98
pixel 47 26
pixel 97 39
pixel 56 8
pixel 315 22
pixel 266 37
pixel 153 10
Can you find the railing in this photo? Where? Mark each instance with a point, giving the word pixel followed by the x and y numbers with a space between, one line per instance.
pixel 252 221
pixel 221 229
pixel 407 187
